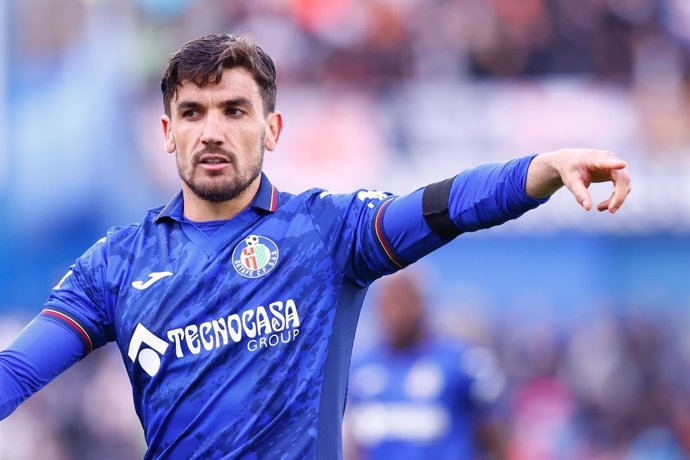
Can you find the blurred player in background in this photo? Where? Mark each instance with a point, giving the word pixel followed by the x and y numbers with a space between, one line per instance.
pixel 235 305
pixel 419 396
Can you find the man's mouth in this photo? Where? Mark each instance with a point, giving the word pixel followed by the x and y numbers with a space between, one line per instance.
pixel 213 161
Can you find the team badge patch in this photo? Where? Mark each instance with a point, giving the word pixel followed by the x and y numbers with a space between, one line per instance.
pixel 255 256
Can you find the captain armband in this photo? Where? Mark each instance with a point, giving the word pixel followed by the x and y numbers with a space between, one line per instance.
pixel 435 209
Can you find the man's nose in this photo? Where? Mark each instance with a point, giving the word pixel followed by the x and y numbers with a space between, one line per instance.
pixel 213 131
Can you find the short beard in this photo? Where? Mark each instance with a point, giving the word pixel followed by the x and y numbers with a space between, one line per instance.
pixel 224 192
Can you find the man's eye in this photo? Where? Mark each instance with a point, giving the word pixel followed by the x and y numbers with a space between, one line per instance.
pixel 233 112
pixel 190 114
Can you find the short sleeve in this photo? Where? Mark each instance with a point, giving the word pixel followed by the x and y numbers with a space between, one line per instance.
pixel 78 301
pixel 351 227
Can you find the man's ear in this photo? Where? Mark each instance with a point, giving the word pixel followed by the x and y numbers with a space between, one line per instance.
pixel 167 132
pixel 274 126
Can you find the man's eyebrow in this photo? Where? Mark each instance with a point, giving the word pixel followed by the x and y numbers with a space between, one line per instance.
pixel 238 101
pixel 188 105
pixel 235 102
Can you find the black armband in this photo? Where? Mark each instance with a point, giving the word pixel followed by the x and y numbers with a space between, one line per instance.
pixel 435 209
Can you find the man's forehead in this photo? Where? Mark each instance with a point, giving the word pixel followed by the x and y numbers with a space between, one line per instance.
pixel 235 83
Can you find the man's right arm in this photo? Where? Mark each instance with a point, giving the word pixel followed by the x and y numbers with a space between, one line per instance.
pixel 74 321
pixel 42 351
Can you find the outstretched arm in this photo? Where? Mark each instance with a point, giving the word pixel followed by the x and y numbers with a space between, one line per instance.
pixel 392 232
pixel 577 169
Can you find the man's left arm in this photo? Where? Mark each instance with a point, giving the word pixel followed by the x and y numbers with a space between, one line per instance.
pixel 492 194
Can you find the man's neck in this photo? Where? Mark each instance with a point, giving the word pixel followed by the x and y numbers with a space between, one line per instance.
pixel 197 209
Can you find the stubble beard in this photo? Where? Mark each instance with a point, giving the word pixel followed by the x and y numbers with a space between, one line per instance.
pixel 217 191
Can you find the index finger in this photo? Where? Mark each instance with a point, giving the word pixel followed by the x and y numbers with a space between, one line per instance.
pixel 607 163
pixel 621 182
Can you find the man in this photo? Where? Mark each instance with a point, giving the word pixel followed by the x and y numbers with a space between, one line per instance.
pixel 235 305
pixel 417 396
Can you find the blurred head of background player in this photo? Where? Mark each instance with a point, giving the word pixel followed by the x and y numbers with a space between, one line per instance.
pixel 219 94
pixel 401 311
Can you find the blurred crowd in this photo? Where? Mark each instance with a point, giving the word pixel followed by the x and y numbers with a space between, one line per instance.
pixel 611 387
pixel 404 87
pixel 376 93
pixel 386 41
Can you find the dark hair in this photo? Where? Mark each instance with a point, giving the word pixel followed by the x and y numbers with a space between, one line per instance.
pixel 203 60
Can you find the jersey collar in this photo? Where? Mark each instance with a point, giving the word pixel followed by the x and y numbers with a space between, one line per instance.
pixel 266 199
pixel 267 196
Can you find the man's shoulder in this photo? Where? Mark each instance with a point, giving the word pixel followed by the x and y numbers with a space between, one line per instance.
pixel 319 200
pixel 122 233
pixel 307 200
pixel 288 197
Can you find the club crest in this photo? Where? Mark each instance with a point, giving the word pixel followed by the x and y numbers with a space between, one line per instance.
pixel 255 256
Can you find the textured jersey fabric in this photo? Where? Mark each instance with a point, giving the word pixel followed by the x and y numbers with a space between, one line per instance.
pixel 238 344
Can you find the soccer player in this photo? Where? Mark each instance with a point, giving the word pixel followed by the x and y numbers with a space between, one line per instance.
pixel 418 396
pixel 234 306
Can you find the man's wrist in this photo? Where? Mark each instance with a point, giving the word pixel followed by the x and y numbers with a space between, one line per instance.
pixel 543 179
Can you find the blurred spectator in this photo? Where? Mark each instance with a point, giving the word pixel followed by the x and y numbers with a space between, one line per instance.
pixel 418 396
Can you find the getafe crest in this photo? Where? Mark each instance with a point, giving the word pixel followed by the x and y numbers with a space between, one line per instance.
pixel 255 256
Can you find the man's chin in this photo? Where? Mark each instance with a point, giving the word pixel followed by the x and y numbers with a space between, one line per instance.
pixel 216 195
pixel 216 191
pixel 218 188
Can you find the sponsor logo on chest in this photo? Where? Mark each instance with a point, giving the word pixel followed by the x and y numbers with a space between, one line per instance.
pixel 261 327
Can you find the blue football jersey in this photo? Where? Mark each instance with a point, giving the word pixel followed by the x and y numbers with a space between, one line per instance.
pixel 230 341
pixel 422 403
pixel 237 341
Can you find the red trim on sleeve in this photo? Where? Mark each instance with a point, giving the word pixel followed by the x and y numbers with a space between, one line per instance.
pixel 80 330
pixel 381 237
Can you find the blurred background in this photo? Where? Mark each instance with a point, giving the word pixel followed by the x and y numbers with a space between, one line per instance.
pixel 587 313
